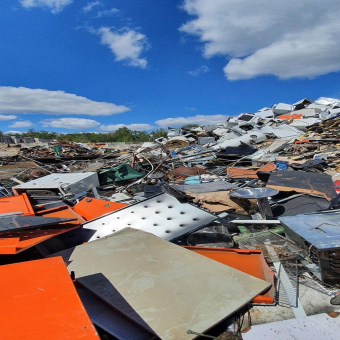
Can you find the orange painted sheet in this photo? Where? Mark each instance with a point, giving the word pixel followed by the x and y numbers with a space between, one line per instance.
pixel 14 242
pixel 288 117
pixel 251 262
pixel 29 238
pixel 15 204
pixel 90 208
pixel 234 172
pixel 39 301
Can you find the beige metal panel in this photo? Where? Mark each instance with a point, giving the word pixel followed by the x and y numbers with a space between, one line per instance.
pixel 170 288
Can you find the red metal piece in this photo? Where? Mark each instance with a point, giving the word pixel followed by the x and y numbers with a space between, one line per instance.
pixel 15 204
pixel 301 141
pixel 39 301
pixel 90 208
pixel 251 262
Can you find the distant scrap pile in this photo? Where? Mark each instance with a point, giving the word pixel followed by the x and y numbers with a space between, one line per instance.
pixel 180 237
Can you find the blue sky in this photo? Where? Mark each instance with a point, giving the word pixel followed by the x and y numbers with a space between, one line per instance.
pixel 73 65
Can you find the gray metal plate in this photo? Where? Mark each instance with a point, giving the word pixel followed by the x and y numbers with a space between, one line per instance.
pixel 162 215
pixel 204 187
pixel 321 230
pixel 29 222
pixel 171 288
pixel 254 193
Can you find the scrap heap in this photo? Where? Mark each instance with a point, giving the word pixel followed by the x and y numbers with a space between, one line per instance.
pixel 179 238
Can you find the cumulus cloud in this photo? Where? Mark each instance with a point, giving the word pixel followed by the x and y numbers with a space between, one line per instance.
pixel 201 70
pixel 282 38
pixel 25 100
pixel 126 45
pixel 8 117
pixel 70 123
pixel 133 127
pixel 21 124
pixel 199 120
pixel 191 108
pixel 55 6
pixel 91 5
pixel 107 12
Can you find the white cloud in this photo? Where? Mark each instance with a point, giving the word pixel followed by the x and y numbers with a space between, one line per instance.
pixel 12 132
pixel 21 124
pixel 126 45
pixel 133 127
pixel 90 6
pixel 282 38
pixel 199 120
pixel 25 100
pixel 191 108
pixel 9 117
pixel 70 123
pixel 201 70
pixel 107 12
pixel 56 6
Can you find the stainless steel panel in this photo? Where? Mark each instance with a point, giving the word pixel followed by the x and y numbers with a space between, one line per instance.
pixel 162 215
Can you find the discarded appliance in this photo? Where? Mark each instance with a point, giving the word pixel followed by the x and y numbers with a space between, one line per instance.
pixel 319 236
pixel 57 186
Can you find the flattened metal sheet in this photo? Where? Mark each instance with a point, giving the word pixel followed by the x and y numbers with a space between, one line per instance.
pixel 171 288
pixel 162 215
pixel 28 222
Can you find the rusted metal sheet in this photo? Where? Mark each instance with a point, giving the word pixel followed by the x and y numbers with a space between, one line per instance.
pixel 39 301
pixel 234 172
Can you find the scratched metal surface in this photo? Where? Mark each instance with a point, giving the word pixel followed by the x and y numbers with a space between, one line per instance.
pixel 160 284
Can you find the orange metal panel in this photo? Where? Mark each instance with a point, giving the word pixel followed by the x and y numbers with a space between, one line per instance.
pixel 9 245
pixel 39 301
pixel 251 262
pixel 14 242
pixel 288 117
pixel 16 203
pixel 90 208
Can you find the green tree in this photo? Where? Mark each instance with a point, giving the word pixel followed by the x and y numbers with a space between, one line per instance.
pixel 189 126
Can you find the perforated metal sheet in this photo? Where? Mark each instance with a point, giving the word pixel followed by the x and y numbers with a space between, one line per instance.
pixel 162 215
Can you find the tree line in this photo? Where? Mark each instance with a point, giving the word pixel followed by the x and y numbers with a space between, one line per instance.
pixel 121 135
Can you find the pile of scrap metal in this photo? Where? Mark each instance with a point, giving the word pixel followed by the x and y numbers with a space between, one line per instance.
pixel 183 237
pixel 60 151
